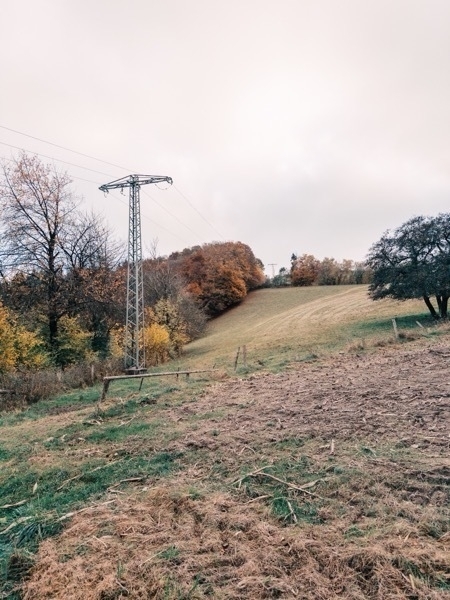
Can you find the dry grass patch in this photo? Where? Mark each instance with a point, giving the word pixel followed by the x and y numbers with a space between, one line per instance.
pixel 165 543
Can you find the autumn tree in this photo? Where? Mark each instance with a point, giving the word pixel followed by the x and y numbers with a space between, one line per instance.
pixel 329 272
pixel 52 256
pixel 95 279
pixel 346 272
pixel 413 261
pixel 220 275
pixel 165 288
pixel 304 270
pixel 37 207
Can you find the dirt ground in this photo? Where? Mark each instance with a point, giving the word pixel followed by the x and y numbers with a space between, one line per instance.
pixel 330 480
pixel 401 396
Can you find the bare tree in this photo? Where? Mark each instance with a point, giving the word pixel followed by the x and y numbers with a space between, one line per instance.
pixel 37 208
pixel 54 257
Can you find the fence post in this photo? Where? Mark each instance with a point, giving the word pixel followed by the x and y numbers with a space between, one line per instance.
pixel 237 358
pixel 394 324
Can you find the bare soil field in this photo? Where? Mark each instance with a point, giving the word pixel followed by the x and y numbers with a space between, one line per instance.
pixel 329 480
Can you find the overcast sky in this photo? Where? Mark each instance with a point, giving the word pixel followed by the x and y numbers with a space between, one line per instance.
pixel 306 126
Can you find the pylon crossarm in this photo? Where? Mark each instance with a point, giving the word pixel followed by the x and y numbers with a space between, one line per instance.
pixel 130 180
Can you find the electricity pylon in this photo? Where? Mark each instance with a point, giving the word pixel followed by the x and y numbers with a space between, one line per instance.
pixel 134 329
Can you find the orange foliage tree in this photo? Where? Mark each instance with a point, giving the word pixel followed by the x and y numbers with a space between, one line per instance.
pixel 304 270
pixel 220 275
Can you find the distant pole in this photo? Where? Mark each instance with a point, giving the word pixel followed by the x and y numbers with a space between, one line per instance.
pixel 273 265
pixel 134 329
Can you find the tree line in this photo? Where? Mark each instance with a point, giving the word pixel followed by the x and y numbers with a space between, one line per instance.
pixel 307 270
pixel 63 278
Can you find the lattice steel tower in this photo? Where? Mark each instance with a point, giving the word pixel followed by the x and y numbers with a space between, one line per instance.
pixel 134 343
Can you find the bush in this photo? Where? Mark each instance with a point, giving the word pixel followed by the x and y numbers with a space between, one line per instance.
pixel 157 344
pixel 28 387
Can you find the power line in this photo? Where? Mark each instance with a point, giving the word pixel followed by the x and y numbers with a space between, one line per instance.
pixel 71 175
pixel 150 220
pixel 106 174
pixel 57 159
pixel 198 212
pixel 97 183
pixel 63 147
pixel 171 214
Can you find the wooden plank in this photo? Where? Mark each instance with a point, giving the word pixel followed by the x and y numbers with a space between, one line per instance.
pixel 107 380
pixel 142 375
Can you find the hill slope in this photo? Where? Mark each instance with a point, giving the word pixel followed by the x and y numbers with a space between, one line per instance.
pixel 289 323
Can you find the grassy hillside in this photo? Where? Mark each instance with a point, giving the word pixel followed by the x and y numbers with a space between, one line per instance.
pixel 289 324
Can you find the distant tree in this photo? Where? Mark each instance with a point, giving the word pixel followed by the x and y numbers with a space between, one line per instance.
pixel 413 261
pixel 329 272
pixel 220 275
pixel 95 279
pixel 165 286
pixel 304 270
pixel 361 273
pixel 74 342
pixel 156 341
pixel 282 278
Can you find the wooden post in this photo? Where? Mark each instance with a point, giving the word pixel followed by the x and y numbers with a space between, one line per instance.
pixel 105 387
pixel 394 324
pixel 237 358
pixel 244 355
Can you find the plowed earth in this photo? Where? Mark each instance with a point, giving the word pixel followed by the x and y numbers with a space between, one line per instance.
pixel 330 480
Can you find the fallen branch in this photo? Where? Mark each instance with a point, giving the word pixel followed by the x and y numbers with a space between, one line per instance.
pixel 76 512
pixel 127 422
pixel 126 481
pixel 14 523
pixel 239 481
pixel 291 485
pixel 13 505
pixel 64 483
pixel 259 498
pixel 260 472
pixel 246 448
pixel 291 512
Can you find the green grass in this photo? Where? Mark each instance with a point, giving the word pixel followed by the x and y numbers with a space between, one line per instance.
pixel 39 460
pixel 118 433
pixel 5 454
pixel 51 493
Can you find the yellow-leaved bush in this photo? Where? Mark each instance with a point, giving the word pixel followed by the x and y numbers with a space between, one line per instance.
pixel 18 347
pixel 74 343
pixel 156 343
